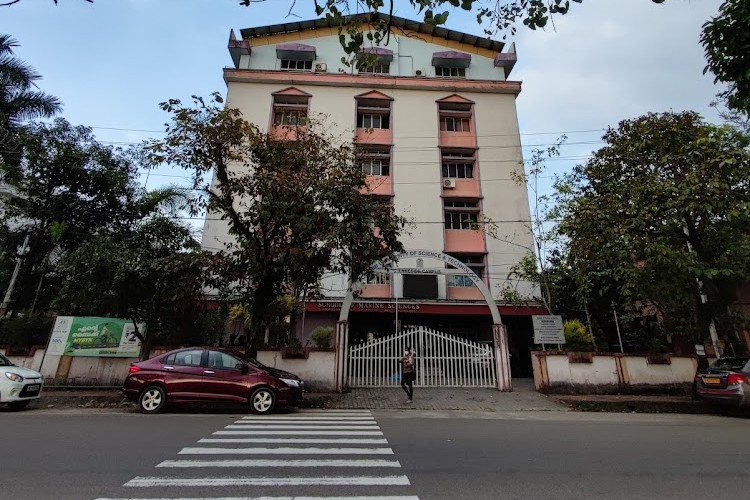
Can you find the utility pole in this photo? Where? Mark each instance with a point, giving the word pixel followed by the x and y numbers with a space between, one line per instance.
pixel 21 253
pixel 617 326
pixel 704 299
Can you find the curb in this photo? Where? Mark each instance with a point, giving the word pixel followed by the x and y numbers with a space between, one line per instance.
pixel 639 406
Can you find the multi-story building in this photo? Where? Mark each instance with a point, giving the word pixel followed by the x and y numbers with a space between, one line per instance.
pixel 435 111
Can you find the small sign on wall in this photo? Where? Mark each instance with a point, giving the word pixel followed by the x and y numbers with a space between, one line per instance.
pixel 548 330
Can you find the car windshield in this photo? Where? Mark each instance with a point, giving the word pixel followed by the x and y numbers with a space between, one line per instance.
pixel 5 361
pixel 251 361
pixel 730 363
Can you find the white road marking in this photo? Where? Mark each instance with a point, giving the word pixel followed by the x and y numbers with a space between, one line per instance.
pixel 296 440
pixel 278 463
pixel 146 482
pixel 286 451
pixel 359 421
pixel 278 498
pixel 330 412
pixel 306 417
pixel 308 427
pixel 298 433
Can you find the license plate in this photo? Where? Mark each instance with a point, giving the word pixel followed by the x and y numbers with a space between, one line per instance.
pixel 712 380
pixel 33 387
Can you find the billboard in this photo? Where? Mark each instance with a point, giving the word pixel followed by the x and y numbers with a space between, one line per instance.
pixel 97 337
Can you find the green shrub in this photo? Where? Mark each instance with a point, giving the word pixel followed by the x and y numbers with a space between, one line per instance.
pixel 322 336
pixel 577 337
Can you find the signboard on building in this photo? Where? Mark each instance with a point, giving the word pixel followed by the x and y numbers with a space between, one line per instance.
pixel 91 336
pixel 548 330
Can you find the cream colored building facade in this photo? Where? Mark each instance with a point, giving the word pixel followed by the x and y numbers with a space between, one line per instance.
pixel 438 112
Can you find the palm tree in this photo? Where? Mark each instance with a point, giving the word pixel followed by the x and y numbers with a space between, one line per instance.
pixel 19 99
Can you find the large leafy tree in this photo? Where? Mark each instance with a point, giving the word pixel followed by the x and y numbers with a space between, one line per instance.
pixel 153 273
pixel 660 216
pixel 293 202
pixel 19 98
pixel 726 39
pixel 68 186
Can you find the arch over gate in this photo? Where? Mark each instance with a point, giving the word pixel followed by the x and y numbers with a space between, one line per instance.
pixel 499 333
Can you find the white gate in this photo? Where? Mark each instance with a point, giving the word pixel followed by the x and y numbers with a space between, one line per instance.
pixel 442 361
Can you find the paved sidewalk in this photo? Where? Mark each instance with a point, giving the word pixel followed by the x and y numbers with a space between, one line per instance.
pixel 523 398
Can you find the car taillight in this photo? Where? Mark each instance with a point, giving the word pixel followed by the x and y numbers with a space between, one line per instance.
pixel 736 378
pixel 134 368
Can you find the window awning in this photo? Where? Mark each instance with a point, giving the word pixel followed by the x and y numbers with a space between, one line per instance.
pixel 237 48
pixel 451 59
pixel 296 51
pixel 507 60
pixel 381 53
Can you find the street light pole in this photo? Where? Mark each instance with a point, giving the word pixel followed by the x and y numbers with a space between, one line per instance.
pixel 395 295
pixel 617 326
pixel 19 259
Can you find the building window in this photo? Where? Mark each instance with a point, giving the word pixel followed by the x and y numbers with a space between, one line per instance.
pixel 295 65
pixel 379 68
pixel 377 279
pixel 461 220
pixel 461 204
pixel 375 166
pixel 290 118
pixel 454 124
pixel 446 72
pixel 366 120
pixel 458 170
pixel 473 262
pixel 290 110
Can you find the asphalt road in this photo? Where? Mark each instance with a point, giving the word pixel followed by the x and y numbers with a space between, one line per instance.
pixel 86 454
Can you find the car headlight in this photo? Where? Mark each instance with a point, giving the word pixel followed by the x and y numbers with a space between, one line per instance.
pixel 291 382
pixel 14 376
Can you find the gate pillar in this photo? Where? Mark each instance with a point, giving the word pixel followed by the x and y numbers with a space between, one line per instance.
pixel 502 357
pixel 342 347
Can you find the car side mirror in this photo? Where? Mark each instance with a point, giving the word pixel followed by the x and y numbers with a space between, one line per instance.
pixel 244 369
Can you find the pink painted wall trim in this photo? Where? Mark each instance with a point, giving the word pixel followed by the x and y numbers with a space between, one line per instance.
pixel 376 291
pixel 374 136
pixel 379 184
pixel 462 240
pixel 345 80
pixel 464 293
pixel 281 132
pixel 465 188
pixel 458 139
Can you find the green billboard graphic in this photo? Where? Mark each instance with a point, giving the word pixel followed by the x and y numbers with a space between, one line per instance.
pixel 91 336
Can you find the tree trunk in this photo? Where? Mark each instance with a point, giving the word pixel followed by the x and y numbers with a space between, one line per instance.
pixel 262 298
pixel 145 340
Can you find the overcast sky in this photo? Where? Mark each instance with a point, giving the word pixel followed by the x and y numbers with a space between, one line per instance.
pixel 112 62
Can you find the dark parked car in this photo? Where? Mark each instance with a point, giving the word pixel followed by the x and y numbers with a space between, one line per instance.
pixel 201 374
pixel 726 382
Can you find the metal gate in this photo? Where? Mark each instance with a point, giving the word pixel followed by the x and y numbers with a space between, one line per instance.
pixel 442 361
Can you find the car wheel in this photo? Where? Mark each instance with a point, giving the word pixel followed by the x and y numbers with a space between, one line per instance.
pixel 262 401
pixel 152 400
pixel 18 405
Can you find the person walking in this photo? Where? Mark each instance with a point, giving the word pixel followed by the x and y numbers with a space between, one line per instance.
pixel 408 373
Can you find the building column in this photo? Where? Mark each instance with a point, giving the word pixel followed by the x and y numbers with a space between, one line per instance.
pixel 342 346
pixel 502 357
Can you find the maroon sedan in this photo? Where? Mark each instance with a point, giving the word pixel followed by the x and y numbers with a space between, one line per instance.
pixel 204 374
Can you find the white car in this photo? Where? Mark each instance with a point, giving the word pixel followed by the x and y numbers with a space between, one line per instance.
pixel 18 385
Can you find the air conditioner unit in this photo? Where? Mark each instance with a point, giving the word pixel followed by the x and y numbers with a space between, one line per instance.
pixel 420 72
pixel 321 68
pixel 449 183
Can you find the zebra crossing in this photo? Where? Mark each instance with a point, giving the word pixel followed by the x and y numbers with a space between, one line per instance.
pixel 306 455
